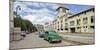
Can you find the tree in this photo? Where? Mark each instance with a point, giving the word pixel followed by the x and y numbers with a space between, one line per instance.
pixel 30 26
pixel 17 22
pixel 24 24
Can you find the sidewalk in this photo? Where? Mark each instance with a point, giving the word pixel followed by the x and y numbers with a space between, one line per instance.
pixel 81 38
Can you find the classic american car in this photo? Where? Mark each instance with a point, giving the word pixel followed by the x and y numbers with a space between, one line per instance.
pixel 52 36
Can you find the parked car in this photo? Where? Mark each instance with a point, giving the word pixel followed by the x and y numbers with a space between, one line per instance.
pixel 27 32
pixel 41 34
pixel 52 36
pixel 23 34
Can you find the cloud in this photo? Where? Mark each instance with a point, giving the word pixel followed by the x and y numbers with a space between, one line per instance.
pixel 40 13
pixel 38 20
pixel 30 17
pixel 40 16
pixel 30 7
pixel 37 13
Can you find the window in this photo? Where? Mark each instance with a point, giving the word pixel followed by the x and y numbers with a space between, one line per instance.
pixel 92 27
pixel 92 19
pixel 55 27
pixel 61 29
pixel 61 26
pixel 58 25
pixel 78 22
pixel 66 28
pixel 71 23
pixel 66 25
pixel 61 21
pixel 86 26
pixel 58 22
pixel 85 20
pixel 93 10
pixel 66 20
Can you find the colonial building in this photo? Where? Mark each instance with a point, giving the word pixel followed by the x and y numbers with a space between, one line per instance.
pixel 81 22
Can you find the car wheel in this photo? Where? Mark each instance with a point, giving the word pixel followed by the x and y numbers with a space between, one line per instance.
pixel 49 41
pixel 60 41
pixel 45 39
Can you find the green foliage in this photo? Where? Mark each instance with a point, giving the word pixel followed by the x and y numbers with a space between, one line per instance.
pixel 24 24
pixel 17 22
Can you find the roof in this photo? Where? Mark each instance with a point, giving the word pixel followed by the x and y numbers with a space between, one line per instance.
pixel 83 12
pixel 61 7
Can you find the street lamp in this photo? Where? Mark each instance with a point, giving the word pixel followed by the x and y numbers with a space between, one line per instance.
pixel 17 8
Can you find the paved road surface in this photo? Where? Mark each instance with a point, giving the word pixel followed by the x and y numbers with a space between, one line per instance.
pixel 33 41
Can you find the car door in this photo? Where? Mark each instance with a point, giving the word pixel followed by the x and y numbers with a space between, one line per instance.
pixel 46 35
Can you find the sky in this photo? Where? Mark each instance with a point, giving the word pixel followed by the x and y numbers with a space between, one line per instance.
pixel 41 13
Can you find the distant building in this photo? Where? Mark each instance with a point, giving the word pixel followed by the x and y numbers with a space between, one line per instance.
pixel 49 26
pixel 81 22
pixel 39 27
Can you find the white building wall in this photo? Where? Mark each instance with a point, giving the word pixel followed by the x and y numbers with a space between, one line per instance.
pixel 78 28
pixel 83 27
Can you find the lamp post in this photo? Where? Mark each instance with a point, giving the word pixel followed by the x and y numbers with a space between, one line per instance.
pixel 17 8
pixel 17 30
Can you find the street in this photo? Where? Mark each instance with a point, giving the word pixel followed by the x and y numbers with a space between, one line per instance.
pixel 34 41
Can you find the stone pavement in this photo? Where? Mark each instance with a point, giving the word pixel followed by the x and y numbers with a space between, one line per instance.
pixel 34 41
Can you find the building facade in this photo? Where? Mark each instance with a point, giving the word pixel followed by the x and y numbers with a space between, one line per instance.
pixel 49 26
pixel 39 27
pixel 83 22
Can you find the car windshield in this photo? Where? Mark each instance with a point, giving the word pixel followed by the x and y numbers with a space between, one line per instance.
pixel 53 33
pixel 41 32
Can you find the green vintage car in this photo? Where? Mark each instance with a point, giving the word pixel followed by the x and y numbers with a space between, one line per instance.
pixel 52 36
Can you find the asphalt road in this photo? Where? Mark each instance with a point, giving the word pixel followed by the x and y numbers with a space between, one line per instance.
pixel 34 41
